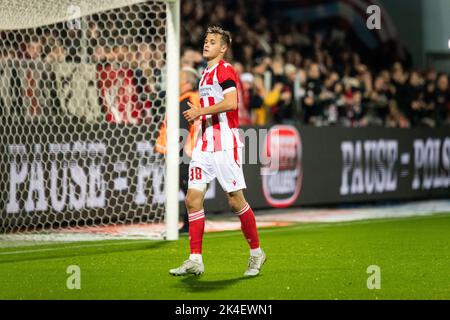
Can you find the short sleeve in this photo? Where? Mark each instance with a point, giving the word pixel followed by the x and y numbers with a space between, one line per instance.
pixel 227 77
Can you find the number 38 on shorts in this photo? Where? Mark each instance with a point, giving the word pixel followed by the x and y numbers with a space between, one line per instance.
pixel 223 165
pixel 195 174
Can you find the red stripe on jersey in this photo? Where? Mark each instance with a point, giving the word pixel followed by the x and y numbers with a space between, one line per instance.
pixel 204 141
pixel 205 76
pixel 210 77
pixel 216 127
pixel 233 119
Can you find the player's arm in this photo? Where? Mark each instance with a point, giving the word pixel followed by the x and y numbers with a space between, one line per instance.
pixel 229 103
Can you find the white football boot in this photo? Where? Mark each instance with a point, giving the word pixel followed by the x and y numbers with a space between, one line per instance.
pixel 188 267
pixel 254 264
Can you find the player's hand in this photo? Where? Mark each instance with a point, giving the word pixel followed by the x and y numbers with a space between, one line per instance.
pixel 192 114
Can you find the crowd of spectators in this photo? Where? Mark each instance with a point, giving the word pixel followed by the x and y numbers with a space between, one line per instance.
pixel 316 74
pixel 126 46
pixel 298 72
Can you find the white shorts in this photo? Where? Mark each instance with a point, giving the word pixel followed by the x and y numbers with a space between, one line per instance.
pixel 226 166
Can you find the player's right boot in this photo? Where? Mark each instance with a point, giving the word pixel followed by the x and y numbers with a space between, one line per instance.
pixel 254 264
pixel 188 267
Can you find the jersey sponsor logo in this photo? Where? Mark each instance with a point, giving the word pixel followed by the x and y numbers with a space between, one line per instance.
pixel 283 174
pixel 205 91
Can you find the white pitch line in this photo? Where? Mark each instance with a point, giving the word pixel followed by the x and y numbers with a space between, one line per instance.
pixel 72 247
pixel 210 235
pixel 319 225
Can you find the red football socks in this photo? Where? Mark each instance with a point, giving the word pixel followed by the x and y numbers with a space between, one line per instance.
pixel 196 230
pixel 248 226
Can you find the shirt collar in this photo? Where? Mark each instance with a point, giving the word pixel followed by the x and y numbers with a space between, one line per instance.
pixel 213 67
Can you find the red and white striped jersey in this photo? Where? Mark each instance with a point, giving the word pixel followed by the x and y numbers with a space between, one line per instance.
pixel 218 132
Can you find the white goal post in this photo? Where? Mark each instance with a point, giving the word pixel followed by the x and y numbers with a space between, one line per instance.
pixel 173 120
pixel 85 86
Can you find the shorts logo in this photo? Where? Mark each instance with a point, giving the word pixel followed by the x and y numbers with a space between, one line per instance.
pixel 283 174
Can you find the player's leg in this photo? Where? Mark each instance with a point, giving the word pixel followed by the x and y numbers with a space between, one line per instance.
pixel 241 208
pixel 228 168
pixel 199 177
pixel 194 204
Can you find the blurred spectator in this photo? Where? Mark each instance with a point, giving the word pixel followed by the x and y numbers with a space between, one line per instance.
pixel 33 49
pixel 257 94
pixel 314 96
pixel 57 54
pixel 378 101
pixel 441 101
pixel 395 118
pixel 417 110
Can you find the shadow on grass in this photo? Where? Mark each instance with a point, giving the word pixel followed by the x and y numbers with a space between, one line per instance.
pixel 79 251
pixel 197 284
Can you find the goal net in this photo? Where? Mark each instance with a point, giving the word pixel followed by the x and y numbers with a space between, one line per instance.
pixel 83 93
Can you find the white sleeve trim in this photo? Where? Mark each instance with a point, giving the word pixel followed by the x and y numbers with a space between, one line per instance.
pixel 229 90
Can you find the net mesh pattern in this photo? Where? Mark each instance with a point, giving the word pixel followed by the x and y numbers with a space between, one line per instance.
pixel 82 98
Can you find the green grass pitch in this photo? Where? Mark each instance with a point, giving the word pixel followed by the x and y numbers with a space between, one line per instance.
pixel 314 261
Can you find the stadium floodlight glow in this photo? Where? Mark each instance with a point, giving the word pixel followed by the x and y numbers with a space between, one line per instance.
pixel 449 44
pixel 81 108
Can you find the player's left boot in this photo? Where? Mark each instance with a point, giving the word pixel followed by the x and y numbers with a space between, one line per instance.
pixel 188 267
pixel 254 264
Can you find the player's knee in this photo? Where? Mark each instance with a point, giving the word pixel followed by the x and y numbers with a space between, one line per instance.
pixel 193 202
pixel 236 202
pixel 233 204
pixel 189 202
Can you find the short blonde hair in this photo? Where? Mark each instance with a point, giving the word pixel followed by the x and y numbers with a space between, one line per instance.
pixel 225 35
